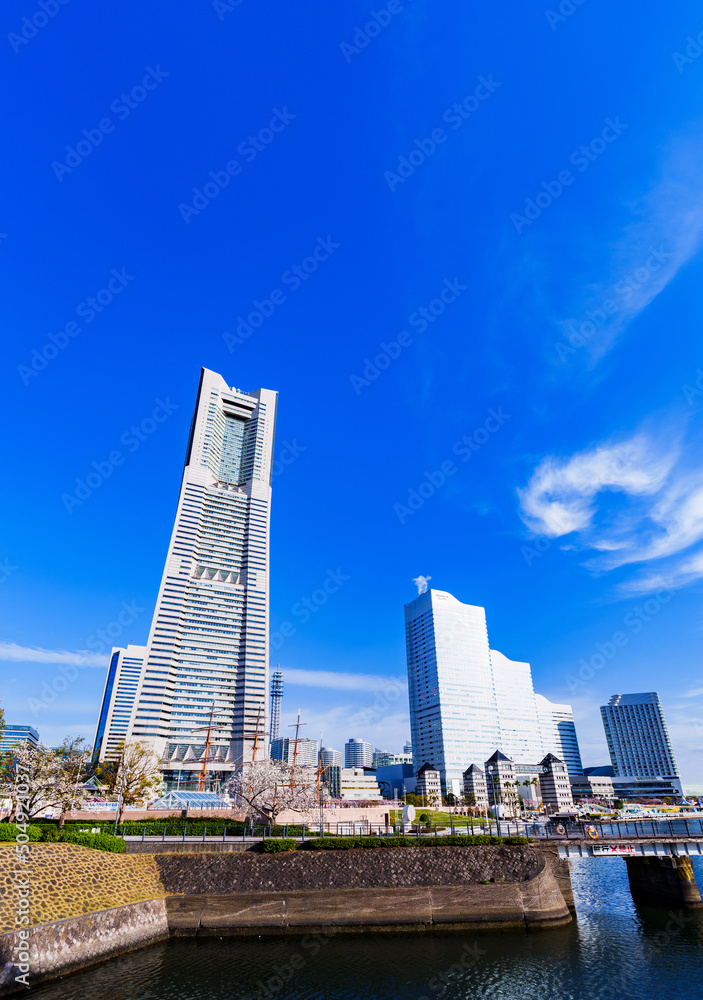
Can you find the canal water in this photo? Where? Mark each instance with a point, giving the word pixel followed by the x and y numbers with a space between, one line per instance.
pixel 614 950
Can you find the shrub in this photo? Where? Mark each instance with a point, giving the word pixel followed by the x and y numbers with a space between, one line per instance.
pixel 9 831
pixel 458 840
pixel 96 841
pixel 276 845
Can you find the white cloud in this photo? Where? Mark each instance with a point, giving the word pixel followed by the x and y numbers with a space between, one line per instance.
pixel 695 693
pixel 33 654
pixel 657 517
pixel 560 496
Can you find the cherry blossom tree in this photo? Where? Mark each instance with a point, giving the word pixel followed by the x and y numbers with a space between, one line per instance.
pixel 36 778
pixel 265 788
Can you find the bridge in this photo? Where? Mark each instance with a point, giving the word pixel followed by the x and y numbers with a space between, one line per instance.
pixel 657 853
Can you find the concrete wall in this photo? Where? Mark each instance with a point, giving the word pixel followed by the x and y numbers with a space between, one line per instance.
pixel 66 945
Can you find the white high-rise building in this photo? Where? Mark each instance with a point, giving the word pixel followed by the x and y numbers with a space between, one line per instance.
pixel 119 699
pixel 637 736
pixel 467 700
pixel 520 736
pixel 330 757
pixel 207 654
pixel 556 723
pixel 358 753
pixel 301 752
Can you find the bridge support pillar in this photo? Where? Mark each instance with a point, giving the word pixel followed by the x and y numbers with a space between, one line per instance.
pixel 663 880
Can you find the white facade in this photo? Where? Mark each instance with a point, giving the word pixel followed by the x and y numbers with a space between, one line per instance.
pixel 329 756
pixel 428 784
pixel 520 735
pixel 453 705
pixel 358 753
pixel 558 731
pixel 208 645
pixel 119 699
pixel 357 785
pixel 555 785
pixel 301 751
pixel 637 737
pixel 475 792
pixel 466 699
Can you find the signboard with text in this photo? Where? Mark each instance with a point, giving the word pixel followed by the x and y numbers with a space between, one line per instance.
pixel 612 850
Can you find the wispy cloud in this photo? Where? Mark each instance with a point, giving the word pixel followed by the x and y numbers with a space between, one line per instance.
pixel 340 681
pixel 561 494
pixel 657 517
pixel 664 232
pixel 695 693
pixel 34 654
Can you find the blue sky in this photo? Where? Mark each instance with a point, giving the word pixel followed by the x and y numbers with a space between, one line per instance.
pixel 510 210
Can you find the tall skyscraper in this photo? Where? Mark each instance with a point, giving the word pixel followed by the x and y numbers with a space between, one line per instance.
pixel 207 653
pixel 637 737
pixel 358 753
pixel 119 700
pixel 556 723
pixel 276 698
pixel 466 699
pixel 453 706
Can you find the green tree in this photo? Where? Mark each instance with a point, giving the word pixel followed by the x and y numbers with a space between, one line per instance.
pixel 133 775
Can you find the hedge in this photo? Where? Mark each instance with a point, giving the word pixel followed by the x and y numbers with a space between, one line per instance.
pixel 96 841
pixel 275 846
pixel 9 831
pixel 458 840
pixel 51 834
pixel 174 827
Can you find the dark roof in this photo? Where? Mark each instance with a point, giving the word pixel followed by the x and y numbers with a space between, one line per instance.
pixel 551 759
pixel 500 756
pixel 426 767
pixel 474 768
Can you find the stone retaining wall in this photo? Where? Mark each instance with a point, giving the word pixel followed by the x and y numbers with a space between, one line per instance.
pixel 66 945
pixel 378 868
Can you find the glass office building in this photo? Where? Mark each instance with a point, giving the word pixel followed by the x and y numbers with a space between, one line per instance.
pixel 207 654
pixel 637 736
pixel 18 734
pixel 119 698
pixel 467 700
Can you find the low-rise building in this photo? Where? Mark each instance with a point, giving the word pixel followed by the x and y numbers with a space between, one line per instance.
pixel 428 784
pixel 357 784
pixel 592 786
pixel 501 785
pixel 554 784
pixel 475 793
pixel 395 779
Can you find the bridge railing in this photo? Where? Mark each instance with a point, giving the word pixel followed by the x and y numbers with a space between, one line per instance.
pixel 620 829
